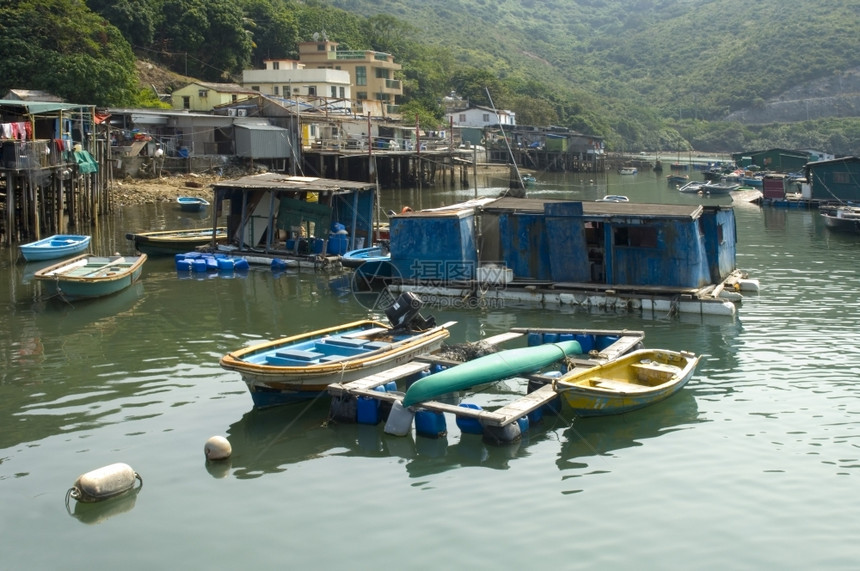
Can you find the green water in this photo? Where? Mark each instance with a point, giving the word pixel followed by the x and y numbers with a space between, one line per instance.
pixel 752 465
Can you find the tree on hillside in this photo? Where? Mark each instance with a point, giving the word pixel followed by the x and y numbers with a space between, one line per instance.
pixel 210 34
pixel 135 19
pixel 275 32
pixel 60 46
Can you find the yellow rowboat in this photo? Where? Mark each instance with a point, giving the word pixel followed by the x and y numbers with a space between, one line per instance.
pixel 630 382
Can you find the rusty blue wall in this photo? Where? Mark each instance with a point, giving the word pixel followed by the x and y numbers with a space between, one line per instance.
pixel 720 231
pixel 434 249
pixel 566 240
pixel 679 260
pixel 525 245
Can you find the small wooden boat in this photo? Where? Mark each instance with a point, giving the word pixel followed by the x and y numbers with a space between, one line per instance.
pixel 87 276
pixel 302 366
pixel 692 187
pixel 56 246
pixel 172 242
pixel 719 187
pixel 628 170
pixel 192 203
pixel 355 258
pixel 842 219
pixel 630 382
pixel 677 179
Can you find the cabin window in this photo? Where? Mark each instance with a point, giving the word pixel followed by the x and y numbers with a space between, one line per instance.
pixel 312 90
pixel 342 92
pixel 360 75
pixel 486 117
pixel 635 237
pixel 276 65
pixel 333 91
pixel 720 236
pixel 361 95
pixel 842 178
pixel 186 102
pixel 275 90
pixel 381 73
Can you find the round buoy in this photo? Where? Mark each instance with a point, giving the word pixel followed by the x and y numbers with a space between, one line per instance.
pixel 103 483
pixel 406 209
pixel 217 448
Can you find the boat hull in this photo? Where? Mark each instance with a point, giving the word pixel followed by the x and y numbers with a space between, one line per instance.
pixel 842 220
pixel 273 378
pixel 85 277
pixel 172 242
pixel 53 247
pixel 355 258
pixel 629 383
pixel 187 204
pixel 490 368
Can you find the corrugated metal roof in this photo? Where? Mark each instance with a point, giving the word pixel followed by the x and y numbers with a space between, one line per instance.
pixel 36 107
pixel 593 208
pixel 280 181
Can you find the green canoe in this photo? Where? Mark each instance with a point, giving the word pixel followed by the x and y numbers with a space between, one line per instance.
pixel 488 369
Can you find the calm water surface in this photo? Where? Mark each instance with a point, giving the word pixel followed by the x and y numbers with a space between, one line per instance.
pixel 754 464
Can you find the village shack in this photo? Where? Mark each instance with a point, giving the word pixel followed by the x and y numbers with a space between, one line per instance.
pixel 591 253
pixel 834 180
pixel 297 220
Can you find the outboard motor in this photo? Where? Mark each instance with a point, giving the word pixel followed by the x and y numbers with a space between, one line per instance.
pixel 404 313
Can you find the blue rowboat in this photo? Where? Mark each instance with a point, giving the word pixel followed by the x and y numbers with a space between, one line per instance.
pixel 355 258
pixel 302 366
pixel 630 382
pixel 87 276
pixel 56 246
pixel 192 203
pixel 489 368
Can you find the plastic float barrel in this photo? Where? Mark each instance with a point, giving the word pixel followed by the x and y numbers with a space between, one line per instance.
pixel 467 424
pixel 104 483
pixel 399 421
pixel 183 265
pixel 367 410
pixel 535 338
pixel 430 424
pixel 199 265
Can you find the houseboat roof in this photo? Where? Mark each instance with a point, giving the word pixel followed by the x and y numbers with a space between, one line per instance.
pixel 280 181
pixel 592 208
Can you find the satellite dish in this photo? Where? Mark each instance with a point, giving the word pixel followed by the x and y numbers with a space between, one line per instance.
pixel 316 36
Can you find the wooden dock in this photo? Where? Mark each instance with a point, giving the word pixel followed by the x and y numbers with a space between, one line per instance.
pixel 500 425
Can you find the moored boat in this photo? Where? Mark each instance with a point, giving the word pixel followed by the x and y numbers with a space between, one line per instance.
pixel 376 253
pixel 302 366
pixel 613 198
pixel 56 246
pixel 693 186
pixel 842 219
pixel 633 381
pixel 172 242
pixel 628 170
pixel 721 187
pixel 192 203
pixel 490 368
pixel 87 276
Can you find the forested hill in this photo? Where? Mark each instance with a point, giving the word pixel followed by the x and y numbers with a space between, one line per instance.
pixel 644 74
pixel 696 58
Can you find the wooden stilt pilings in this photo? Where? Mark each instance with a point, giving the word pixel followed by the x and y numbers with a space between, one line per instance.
pixel 48 192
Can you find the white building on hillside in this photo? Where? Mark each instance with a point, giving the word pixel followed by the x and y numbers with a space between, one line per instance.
pixel 289 79
pixel 480 117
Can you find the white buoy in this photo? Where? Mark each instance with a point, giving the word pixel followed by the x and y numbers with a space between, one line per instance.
pixel 103 483
pixel 217 448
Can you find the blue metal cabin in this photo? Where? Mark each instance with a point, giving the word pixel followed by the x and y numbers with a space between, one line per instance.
pixel 435 246
pixel 276 215
pixel 570 243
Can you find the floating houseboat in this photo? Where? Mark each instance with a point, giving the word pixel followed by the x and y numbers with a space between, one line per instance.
pixel 307 220
pixel 614 255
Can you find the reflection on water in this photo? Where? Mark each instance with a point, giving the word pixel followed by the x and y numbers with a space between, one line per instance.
pixel 602 436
